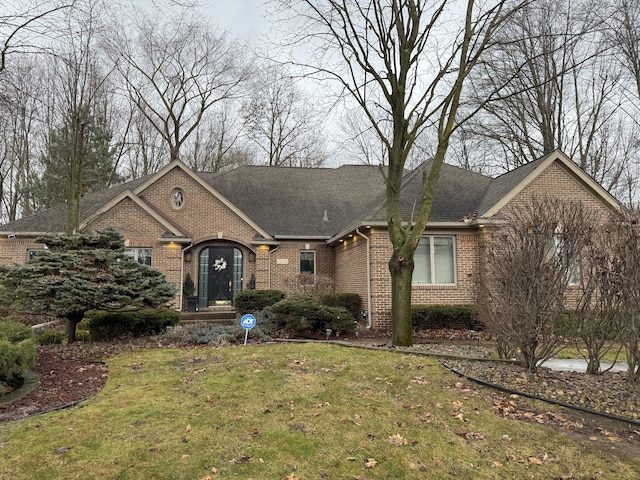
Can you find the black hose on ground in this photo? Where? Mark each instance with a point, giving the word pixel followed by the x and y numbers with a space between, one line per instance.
pixel 542 399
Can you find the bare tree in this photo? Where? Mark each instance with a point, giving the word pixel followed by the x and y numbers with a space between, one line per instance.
pixel 282 122
pixel 529 263
pixel 217 144
pixel 20 94
pixel 78 157
pixel 175 70
pixel 595 319
pixel 556 90
pixel 394 62
pixel 623 20
pixel 623 281
pixel 25 23
pixel 362 142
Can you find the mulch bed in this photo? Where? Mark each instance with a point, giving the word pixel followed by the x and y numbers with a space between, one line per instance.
pixel 62 381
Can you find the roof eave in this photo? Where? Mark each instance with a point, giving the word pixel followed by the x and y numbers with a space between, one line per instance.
pixel 302 237
pixel 382 224
pixel 14 234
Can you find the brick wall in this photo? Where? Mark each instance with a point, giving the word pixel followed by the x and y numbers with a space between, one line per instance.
pixel 284 263
pixel 351 267
pixel 14 250
pixel 462 292
pixel 558 182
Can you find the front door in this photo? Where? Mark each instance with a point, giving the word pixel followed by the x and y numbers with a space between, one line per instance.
pixel 216 279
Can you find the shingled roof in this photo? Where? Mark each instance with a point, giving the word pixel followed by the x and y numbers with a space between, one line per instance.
pixel 311 202
pixel 323 202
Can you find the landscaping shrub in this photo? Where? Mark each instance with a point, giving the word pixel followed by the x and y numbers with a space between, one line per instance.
pixel 17 354
pixel 211 334
pixel 250 301
pixel 51 337
pixel 107 325
pixel 303 314
pixel 350 301
pixel 457 317
pixel 15 332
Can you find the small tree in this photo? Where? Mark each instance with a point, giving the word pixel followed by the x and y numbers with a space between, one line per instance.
pixel 530 262
pixel 79 273
pixel 188 287
pixel 597 307
pixel 624 278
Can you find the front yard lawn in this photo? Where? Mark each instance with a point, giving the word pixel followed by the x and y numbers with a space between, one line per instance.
pixel 291 411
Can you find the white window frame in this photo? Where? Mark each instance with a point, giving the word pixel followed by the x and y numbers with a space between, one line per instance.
pixel 300 262
pixel 574 274
pixel 134 253
pixel 432 258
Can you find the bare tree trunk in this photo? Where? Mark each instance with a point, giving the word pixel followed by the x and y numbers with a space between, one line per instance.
pixel 401 273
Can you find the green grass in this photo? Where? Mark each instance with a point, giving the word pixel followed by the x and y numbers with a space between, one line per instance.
pixel 307 411
pixel 580 352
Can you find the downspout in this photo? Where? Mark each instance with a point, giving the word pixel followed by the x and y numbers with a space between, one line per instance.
pixel 369 321
pixel 269 270
pixel 182 275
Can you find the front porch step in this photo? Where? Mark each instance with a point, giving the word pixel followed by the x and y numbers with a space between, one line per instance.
pixel 225 317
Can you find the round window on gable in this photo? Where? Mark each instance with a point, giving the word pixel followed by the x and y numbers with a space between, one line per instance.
pixel 177 198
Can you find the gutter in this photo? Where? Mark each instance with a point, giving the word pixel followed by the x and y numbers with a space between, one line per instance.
pixel 369 320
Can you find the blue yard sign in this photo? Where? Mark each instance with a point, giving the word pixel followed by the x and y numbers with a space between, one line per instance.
pixel 247 321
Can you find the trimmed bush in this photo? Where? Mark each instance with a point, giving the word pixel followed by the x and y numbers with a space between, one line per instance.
pixel 17 354
pixel 350 301
pixel 108 325
pixel 15 332
pixel 303 314
pixel 250 301
pixel 51 337
pixel 456 317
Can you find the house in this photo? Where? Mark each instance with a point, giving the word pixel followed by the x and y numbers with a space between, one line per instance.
pixel 265 226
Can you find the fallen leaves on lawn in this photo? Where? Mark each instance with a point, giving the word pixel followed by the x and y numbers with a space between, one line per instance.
pixel 370 462
pixel 468 435
pixel 397 440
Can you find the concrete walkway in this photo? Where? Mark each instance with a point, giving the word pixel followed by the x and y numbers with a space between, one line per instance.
pixel 579 365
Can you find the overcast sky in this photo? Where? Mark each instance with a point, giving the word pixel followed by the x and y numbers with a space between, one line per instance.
pixel 242 18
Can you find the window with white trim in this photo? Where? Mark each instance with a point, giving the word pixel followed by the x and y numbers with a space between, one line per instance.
pixel 140 255
pixel 435 261
pixel 308 262
pixel 555 251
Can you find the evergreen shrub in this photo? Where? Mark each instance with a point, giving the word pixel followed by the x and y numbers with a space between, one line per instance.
pixel 51 337
pixel 250 301
pixel 350 301
pixel 303 314
pixel 17 354
pixel 211 334
pixel 456 317
pixel 104 325
pixel 15 332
